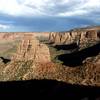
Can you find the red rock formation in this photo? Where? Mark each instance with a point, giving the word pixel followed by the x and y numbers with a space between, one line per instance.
pixel 31 49
pixel 78 36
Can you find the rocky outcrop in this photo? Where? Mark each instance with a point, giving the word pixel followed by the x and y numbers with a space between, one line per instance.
pixel 31 49
pixel 81 37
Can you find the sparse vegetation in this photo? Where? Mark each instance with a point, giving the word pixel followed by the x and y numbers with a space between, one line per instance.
pixel 8 48
pixel 26 65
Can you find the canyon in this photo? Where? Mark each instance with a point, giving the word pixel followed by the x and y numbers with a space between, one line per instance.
pixel 26 56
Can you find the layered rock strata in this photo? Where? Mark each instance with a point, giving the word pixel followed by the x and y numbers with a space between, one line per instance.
pixel 80 37
pixel 31 49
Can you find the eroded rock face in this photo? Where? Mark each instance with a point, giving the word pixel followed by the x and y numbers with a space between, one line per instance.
pixel 31 49
pixel 52 36
pixel 81 37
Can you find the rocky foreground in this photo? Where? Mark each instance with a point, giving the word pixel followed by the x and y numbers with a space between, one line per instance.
pixel 32 60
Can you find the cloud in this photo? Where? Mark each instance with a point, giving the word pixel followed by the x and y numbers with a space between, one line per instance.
pixel 44 24
pixel 2 26
pixel 48 7
pixel 48 15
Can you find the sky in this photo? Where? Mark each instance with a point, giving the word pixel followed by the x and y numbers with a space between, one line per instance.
pixel 47 15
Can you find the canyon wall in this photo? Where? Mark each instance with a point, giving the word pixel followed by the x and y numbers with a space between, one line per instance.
pixel 80 37
pixel 20 35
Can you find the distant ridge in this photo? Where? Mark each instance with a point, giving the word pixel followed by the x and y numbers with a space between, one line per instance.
pixel 87 28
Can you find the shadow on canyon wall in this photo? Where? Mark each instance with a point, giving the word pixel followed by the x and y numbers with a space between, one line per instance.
pixel 76 58
pixel 66 47
pixel 48 88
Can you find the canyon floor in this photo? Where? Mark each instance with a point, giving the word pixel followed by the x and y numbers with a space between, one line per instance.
pixel 65 58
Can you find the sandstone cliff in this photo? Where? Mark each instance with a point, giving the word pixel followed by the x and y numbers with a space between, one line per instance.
pixel 80 37
pixel 31 49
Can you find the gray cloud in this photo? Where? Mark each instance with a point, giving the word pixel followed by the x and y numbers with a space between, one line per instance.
pixel 48 15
